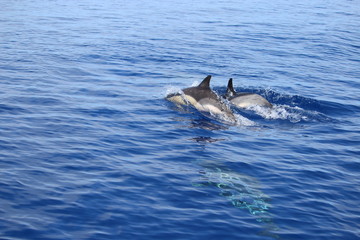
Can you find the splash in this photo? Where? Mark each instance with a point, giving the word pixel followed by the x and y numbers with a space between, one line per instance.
pixel 278 112
pixel 292 114
pixel 243 121
pixel 172 90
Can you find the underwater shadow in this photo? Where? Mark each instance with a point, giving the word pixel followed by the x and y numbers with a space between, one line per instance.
pixel 243 191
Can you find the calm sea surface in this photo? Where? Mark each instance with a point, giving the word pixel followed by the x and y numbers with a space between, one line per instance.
pixel 90 149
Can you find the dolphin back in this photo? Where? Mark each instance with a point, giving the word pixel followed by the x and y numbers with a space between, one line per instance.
pixel 244 99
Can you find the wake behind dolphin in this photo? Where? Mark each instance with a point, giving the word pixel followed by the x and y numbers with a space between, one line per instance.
pixel 203 99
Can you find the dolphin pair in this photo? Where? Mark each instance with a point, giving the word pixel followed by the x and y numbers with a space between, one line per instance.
pixel 204 99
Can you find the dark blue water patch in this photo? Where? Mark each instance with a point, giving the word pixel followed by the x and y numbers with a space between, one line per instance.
pixel 102 112
pixel 12 109
pixel 40 101
pixel 205 140
pixel 7 146
pixel 25 233
pixel 96 93
pixel 136 73
pixel 126 73
pixel 350 166
pixel 19 66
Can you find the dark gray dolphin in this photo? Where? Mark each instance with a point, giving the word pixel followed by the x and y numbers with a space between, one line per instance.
pixel 203 99
pixel 244 100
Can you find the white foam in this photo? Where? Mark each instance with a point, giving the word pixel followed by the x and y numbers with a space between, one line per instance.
pixel 243 121
pixel 237 119
pixel 283 112
pixel 172 90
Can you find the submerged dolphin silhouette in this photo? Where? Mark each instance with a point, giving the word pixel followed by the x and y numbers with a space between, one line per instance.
pixel 244 100
pixel 203 99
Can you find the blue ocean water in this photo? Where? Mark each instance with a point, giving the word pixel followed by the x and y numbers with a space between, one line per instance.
pixel 90 149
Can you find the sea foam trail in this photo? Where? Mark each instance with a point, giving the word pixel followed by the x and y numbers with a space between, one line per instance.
pixel 292 114
pixel 278 112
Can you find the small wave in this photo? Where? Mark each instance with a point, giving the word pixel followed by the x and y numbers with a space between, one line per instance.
pixel 99 112
pixel 4 108
pixel 310 105
pixel 202 139
pixel 43 100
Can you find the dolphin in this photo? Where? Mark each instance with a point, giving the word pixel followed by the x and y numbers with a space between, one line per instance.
pixel 203 99
pixel 245 100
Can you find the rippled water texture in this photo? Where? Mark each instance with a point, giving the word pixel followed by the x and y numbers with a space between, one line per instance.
pixel 90 149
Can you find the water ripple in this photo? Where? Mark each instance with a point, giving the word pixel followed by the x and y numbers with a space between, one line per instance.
pixel 89 149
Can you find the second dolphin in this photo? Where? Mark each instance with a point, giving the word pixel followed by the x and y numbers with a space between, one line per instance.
pixel 245 100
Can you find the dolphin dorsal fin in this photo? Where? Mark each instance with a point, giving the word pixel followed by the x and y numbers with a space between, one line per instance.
pixel 230 88
pixel 206 82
